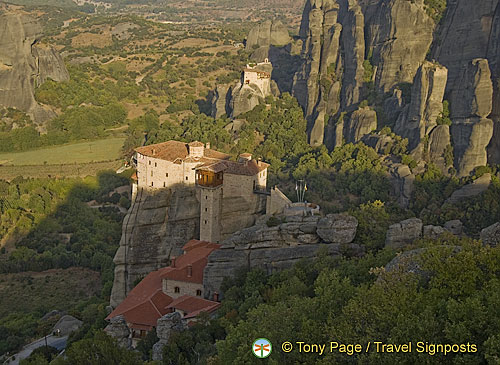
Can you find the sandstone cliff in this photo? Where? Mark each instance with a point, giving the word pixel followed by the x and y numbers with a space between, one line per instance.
pixel 279 247
pixel 25 64
pixel 353 50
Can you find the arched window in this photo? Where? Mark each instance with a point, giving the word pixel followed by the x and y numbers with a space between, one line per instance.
pixel 198 293
pixel 177 289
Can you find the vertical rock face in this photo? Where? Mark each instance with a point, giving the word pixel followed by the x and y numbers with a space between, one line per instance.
pixel 471 101
pixel 268 34
pixel 419 118
pixel 400 34
pixel 156 227
pixel 362 122
pixel 471 30
pixel 24 64
pixel 335 47
pixel 220 102
pixel 494 62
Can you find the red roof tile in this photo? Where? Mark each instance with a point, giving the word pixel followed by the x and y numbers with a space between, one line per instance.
pixel 146 303
pixel 247 168
pixel 175 150
pixel 196 256
pixel 193 305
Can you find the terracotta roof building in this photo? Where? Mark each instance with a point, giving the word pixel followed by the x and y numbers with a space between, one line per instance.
pixel 180 284
pixel 222 182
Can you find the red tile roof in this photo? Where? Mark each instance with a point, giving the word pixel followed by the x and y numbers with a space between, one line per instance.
pixel 247 168
pixel 146 303
pixel 193 306
pixel 197 257
pixel 175 150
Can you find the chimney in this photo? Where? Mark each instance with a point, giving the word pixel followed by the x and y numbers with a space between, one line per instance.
pixel 259 162
pixel 244 158
pixel 190 271
pixel 154 151
pixel 207 146
pixel 216 297
pixel 172 261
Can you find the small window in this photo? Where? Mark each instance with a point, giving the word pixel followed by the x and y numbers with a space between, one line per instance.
pixel 198 293
pixel 151 173
pixel 151 183
pixel 187 178
pixel 156 165
pixel 164 184
pixel 206 209
pixel 150 162
pixel 206 197
pixel 177 289
pixel 166 175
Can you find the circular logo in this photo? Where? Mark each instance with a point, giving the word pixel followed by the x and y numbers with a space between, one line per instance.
pixel 262 348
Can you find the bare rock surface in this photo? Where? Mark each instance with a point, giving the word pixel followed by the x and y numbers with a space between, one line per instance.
pixel 491 235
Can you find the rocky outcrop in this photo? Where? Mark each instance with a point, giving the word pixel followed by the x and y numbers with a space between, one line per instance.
pixel 404 233
pixel 25 64
pixel 246 97
pixel 403 181
pixel 491 235
pixel 362 123
pixel 268 33
pixel 156 227
pixel 66 325
pixel 400 33
pixel 426 105
pixel 475 188
pixel 279 247
pixel 471 102
pixel 220 101
pixel 119 330
pixel 166 326
pixel 469 32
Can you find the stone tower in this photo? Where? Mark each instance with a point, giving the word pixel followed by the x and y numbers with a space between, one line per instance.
pixel 210 213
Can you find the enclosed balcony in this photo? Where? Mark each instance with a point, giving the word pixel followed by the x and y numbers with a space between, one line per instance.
pixel 209 179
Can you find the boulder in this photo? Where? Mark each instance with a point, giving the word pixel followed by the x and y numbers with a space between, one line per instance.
pixel 455 227
pixel 404 233
pixel 491 235
pixel 475 188
pixel 337 228
pixel 68 324
pixel 167 325
pixel 433 232
pixel 118 329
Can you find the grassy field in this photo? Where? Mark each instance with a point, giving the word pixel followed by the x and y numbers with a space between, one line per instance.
pixel 44 291
pixel 85 152
pixel 57 171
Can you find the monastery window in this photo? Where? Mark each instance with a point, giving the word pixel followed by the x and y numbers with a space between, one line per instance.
pixel 206 197
pixel 206 209
pixel 151 173
pixel 156 165
pixel 166 175
pixel 187 178
pixel 205 222
pixel 150 162
pixel 164 185
pixel 198 293
pixel 177 289
pixel 151 183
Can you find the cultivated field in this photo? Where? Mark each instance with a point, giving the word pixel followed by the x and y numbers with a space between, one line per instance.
pixel 80 153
